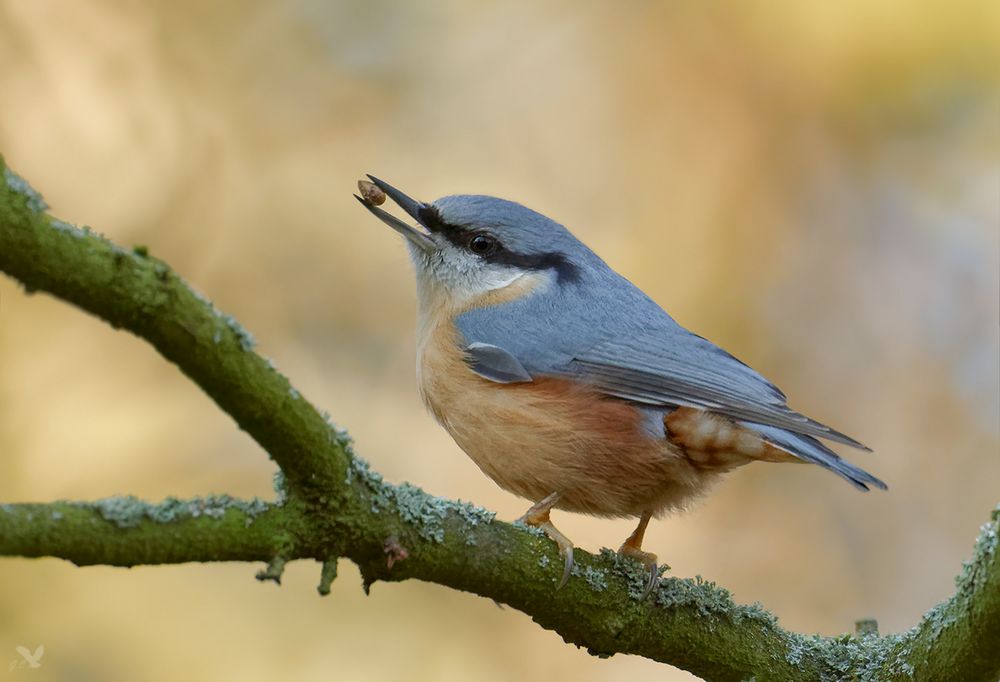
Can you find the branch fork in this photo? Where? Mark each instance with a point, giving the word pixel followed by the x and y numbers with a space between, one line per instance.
pixel 331 503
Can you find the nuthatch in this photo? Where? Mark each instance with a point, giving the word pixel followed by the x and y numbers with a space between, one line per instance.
pixel 569 386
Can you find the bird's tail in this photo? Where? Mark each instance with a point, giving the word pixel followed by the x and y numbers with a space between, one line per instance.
pixel 810 449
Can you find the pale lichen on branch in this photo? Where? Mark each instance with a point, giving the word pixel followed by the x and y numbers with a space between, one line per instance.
pixel 330 503
pixel 129 511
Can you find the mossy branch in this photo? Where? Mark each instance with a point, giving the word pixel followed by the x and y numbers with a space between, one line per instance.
pixel 330 505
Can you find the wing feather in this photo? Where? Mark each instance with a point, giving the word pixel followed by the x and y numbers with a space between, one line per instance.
pixel 687 370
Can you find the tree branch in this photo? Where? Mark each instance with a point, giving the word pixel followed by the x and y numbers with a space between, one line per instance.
pixel 122 531
pixel 333 505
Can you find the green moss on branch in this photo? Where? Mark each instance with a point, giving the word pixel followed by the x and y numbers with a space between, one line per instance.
pixel 128 532
pixel 331 504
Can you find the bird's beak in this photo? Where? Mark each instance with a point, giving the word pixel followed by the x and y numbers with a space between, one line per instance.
pixel 415 235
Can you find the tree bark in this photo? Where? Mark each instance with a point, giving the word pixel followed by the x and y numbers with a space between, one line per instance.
pixel 330 504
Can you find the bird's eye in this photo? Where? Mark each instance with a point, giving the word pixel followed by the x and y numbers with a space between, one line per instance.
pixel 483 245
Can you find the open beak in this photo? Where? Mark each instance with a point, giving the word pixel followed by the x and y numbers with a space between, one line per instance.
pixel 415 235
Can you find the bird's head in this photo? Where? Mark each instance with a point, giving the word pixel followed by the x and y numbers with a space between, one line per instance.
pixel 467 246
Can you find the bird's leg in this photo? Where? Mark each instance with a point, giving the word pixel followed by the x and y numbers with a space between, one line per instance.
pixel 538 517
pixel 632 547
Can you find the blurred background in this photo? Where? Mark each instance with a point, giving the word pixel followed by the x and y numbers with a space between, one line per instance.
pixel 814 186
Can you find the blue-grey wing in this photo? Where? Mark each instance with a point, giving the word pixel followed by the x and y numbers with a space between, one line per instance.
pixel 607 332
pixel 674 367
pixel 495 363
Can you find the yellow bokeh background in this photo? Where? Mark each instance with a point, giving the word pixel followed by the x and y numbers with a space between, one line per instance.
pixel 814 186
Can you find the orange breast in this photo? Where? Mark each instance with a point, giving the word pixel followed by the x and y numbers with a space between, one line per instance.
pixel 553 435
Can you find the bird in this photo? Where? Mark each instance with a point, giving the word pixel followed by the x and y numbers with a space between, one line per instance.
pixel 569 386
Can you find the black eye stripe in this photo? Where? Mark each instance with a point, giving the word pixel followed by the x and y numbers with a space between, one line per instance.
pixel 431 219
pixel 566 271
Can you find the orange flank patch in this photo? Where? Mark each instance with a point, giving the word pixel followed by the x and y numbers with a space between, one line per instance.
pixel 603 456
pixel 554 435
pixel 713 441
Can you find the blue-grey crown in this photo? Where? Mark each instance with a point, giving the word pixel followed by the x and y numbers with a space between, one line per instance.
pixel 521 229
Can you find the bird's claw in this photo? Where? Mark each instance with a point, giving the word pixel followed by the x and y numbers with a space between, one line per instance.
pixel 565 549
pixel 648 560
pixel 654 576
pixel 538 517
pixel 567 553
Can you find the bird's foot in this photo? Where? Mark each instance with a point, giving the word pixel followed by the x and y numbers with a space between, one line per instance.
pixel 538 517
pixel 565 549
pixel 632 548
pixel 647 559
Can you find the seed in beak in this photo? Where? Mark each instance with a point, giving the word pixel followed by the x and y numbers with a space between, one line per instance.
pixel 371 192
